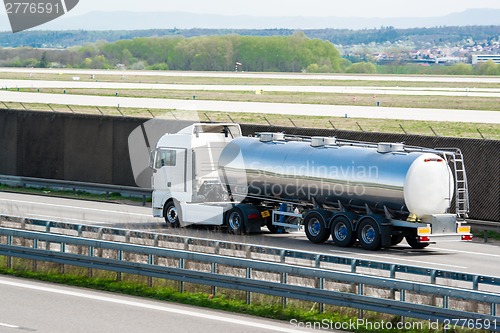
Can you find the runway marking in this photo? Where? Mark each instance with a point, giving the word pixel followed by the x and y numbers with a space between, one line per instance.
pixel 74 207
pixel 402 259
pixel 163 308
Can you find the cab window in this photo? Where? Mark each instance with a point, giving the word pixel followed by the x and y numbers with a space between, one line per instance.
pixel 165 157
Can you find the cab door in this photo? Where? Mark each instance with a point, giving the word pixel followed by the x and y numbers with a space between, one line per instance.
pixel 169 167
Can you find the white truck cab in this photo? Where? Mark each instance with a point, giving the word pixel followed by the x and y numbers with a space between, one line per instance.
pixel 185 171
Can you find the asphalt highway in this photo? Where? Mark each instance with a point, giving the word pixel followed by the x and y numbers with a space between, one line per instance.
pixel 30 306
pixel 469 257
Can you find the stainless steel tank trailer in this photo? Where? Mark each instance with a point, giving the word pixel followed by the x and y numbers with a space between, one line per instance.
pixel 374 193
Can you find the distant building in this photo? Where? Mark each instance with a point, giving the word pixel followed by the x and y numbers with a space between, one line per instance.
pixel 477 58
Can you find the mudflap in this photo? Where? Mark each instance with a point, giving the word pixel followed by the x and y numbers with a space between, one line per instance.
pixel 386 234
pixel 252 220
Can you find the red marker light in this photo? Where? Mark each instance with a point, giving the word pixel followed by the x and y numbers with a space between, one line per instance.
pixel 424 239
pixel 467 237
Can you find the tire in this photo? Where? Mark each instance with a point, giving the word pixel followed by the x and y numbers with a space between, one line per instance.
pixel 396 239
pixel 412 241
pixel 315 228
pixel 235 221
pixel 171 215
pixel 342 233
pixel 274 229
pixel 369 234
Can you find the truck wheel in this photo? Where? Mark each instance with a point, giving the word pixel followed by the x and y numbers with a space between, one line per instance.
pixel 396 239
pixel 369 235
pixel 171 215
pixel 234 221
pixel 274 229
pixel 316 230
pixel 412 241
pixel 342 233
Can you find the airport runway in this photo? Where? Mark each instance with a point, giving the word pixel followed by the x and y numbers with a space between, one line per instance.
pixel 469 257
pixel 349 90
pixel 286 76
pixel 290 109
pixel 31 306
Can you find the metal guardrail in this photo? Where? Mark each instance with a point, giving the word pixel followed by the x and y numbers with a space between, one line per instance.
pixel 128 191
pixel 252 282
pixel 281 255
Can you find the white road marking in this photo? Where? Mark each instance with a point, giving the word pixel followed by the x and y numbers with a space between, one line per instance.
pixel 9 326
pixel 469 252
pixel 392 258
pixel 75 207
pixel 163 308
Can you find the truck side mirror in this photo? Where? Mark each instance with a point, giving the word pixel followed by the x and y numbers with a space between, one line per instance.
pixel 152 158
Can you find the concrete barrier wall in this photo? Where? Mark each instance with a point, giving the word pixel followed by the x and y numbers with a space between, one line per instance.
pixel 95 149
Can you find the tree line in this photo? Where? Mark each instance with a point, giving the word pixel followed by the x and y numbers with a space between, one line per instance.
pixel 211 53
pixel 295 53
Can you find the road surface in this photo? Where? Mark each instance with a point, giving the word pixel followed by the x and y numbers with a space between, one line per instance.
pixel 286 76
pixel 469 257
pixel 467 116
pixel 30 306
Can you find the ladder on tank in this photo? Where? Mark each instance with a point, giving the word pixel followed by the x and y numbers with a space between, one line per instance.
pixel 461 186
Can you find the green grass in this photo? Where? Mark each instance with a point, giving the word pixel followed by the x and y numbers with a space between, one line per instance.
pixel 491 234
pixel 220 302
pixel 129 78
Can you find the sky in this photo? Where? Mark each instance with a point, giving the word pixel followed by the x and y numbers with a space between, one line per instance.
pixel 353 8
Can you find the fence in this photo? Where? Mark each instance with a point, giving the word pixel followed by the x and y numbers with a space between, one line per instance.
pixel 57 251
pixel 467 281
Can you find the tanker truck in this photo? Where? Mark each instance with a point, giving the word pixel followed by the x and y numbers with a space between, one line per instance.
pixel 374 194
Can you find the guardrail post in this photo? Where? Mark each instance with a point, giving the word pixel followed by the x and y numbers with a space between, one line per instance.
pixel 361 291
pixel 217 248
pixel 433 281
pixel 284 280
pixel 91 254
pixel 282 256
pixel 100 236
pixel 35 263
pixel 214 271
pixel 120 258
pixel 144 200
pixel 249 293
pixel 152 260
pixel 9 258
pixel 402 298
pixel 321 286
pixel 63 250
pixel 47 230
pixel 182 265
pixel 354 263
pixel 393 276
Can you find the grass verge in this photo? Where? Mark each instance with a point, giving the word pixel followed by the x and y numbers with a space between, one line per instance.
pixel 357 80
